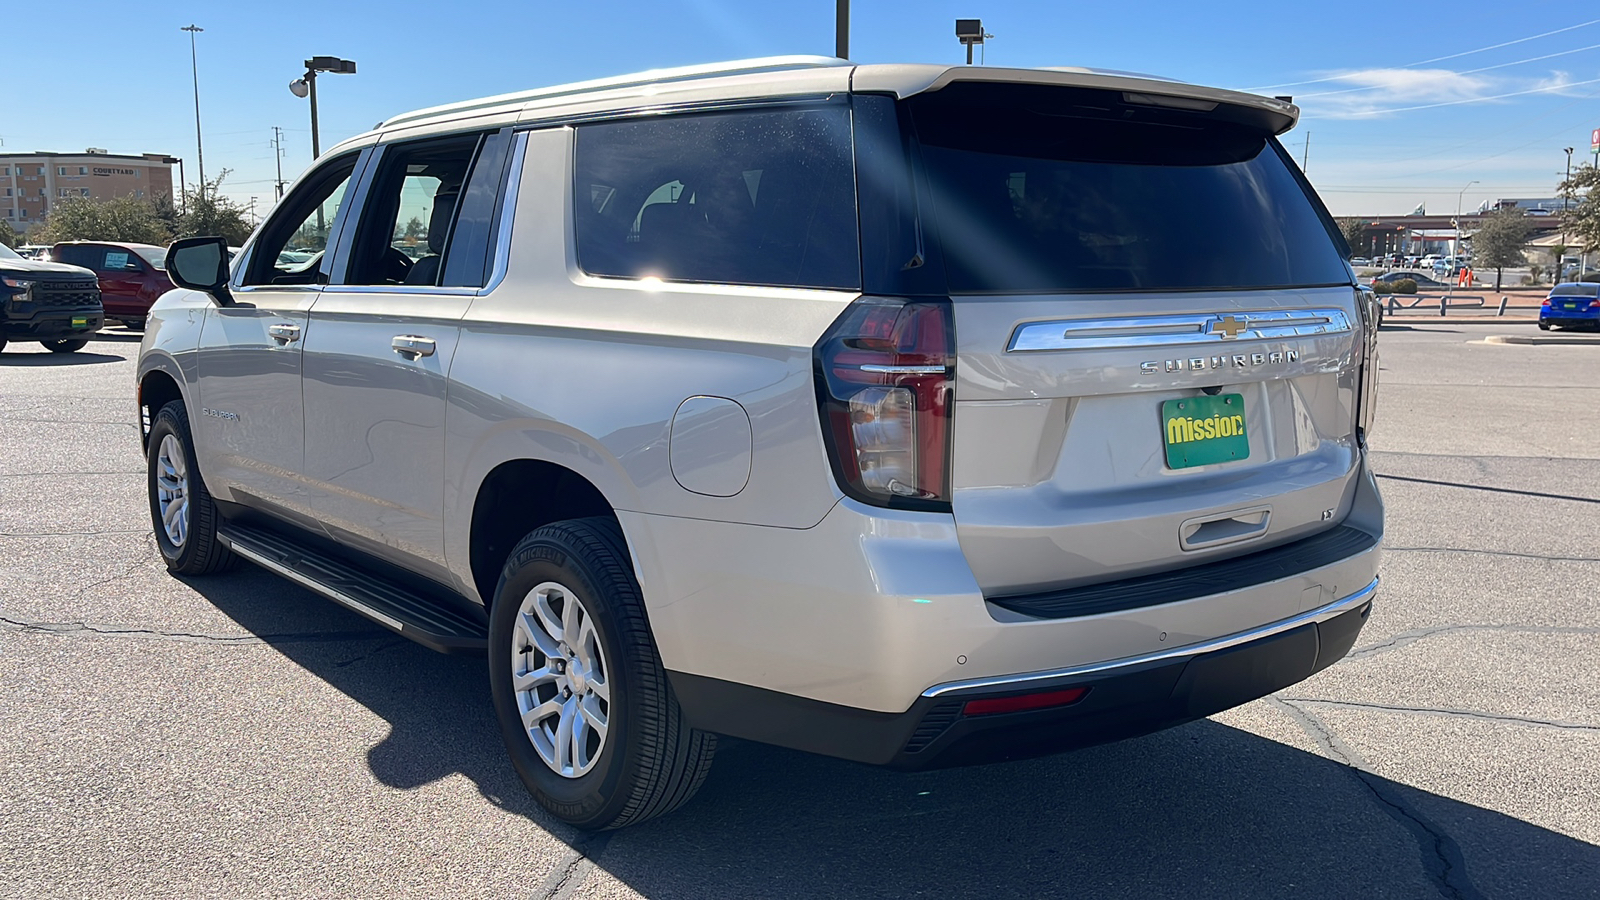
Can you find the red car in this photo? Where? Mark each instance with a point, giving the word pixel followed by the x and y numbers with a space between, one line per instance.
pixel 131 276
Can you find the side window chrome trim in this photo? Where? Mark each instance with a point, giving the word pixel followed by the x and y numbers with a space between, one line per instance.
pixel 672 109
pixel 508 213
pixel 398 289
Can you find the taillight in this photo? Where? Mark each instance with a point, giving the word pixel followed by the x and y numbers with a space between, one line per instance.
pixel 885 387
pixel 1546 302
pixel 1371 315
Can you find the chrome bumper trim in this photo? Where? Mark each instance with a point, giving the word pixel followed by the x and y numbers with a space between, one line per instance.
pixel 1022 681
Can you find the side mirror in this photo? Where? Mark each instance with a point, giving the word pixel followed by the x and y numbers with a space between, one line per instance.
pixel 201 264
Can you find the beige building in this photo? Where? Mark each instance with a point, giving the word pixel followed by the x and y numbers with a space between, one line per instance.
pixel 32 183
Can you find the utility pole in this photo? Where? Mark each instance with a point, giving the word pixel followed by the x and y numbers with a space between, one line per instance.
pixel 277 154
pixel 1305 155
pixel 194 64
pixel 841 30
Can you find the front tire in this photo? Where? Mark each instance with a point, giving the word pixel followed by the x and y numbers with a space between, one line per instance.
pixel 590 722
pixel 69 345
pixel 182 513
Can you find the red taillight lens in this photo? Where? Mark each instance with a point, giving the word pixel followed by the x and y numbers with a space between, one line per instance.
pixel 884 381
pixel 1023 703
pixel 1546 302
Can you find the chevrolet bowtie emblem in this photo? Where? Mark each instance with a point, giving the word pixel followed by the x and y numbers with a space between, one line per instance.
pixel 1228 327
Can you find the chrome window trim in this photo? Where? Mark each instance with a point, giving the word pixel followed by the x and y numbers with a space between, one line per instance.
pixel 675 109
pixel 1031 679
pixel 399 289
pixel 1156 331
pixel 508 213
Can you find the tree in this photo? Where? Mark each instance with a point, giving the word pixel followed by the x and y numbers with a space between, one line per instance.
pixel 1500 241
pixel 1355 234
pixel 414 229
pixel 1582 220
pixel 128 219
pixel 208 213
pixel 8 235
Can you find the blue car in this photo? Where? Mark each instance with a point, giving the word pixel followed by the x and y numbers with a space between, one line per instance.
pixel 1571 305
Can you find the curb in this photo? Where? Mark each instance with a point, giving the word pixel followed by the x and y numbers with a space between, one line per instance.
pixel 1533 339
pixel 1393 319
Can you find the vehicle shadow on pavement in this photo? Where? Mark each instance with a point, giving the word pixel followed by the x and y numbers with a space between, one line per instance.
pixel 1201 810
pixel 46 358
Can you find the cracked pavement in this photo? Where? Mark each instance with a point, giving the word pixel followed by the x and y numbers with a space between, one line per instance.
pixel 238 736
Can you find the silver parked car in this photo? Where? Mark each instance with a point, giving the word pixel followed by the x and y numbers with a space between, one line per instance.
pixel 910 414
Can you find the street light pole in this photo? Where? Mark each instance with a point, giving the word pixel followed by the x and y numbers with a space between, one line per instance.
pixel 199 145
pixel 841 30
pixel 1455 243
pixel 306 86
pixel 1566 191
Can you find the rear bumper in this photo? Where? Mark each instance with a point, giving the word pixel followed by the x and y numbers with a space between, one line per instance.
pixel 1124 698
pixel 1570 317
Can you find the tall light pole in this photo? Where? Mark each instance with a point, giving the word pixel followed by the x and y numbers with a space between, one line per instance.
pixel 1566 191
pixel 199 146
pixel 306 86
pixel 1455 244
pixel 841 29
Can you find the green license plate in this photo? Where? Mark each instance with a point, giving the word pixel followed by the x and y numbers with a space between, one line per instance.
pixel 1199 431
pixel 80 322
pixel 1572 306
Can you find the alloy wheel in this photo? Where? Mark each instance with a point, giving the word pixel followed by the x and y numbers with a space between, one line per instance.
pixel 561 679
pixel 172 489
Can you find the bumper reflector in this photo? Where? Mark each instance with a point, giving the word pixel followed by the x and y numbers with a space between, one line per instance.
pixel 992 706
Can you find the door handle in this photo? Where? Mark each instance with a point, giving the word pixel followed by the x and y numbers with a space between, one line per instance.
pixel 284 332
pixel 411 346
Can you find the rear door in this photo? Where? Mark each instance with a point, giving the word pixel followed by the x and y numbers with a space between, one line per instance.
pixel 381 341
pixel 1156 334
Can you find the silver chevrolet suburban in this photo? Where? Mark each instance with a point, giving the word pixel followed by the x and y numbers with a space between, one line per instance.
pixel 908 414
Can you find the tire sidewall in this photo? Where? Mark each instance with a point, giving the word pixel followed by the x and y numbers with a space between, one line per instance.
pixel 598 796
pixel 168 423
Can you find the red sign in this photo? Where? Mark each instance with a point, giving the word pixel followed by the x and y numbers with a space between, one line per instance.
pixel 1595 139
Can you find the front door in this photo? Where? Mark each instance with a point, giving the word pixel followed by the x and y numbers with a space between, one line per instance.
pixel 380 343
pixel 249 430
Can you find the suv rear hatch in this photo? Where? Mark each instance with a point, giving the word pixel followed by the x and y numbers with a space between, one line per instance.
pixel 1157 339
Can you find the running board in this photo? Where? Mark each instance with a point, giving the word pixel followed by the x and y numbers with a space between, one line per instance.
pixel 432 623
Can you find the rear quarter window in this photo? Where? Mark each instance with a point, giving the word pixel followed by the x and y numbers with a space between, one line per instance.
pixel 761 197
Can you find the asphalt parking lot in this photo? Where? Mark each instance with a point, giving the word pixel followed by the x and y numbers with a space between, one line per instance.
pixel 239 736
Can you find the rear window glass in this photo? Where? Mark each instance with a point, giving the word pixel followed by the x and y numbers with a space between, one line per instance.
pixel 1575 290
pixel 1045 189
pixel 759 197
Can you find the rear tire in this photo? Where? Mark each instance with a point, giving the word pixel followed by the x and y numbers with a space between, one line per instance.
pixel 187 534
pixel 68 345
pixel 1544 326
pixel 576 576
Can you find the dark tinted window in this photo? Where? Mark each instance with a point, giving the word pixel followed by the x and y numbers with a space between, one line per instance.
pixel 470 243
pixel 1039 188
pixel 89 257
pixel 760 197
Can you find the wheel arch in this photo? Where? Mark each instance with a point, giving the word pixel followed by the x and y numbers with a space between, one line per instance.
pixel 516 497
pixel 158 386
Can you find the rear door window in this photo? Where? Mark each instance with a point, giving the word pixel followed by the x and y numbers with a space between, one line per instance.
pixel 763 197
pixel 1052 189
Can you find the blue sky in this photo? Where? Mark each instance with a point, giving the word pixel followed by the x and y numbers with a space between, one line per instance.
pixel 1403 107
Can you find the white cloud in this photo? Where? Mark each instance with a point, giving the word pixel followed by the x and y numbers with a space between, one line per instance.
pixel 1367 92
